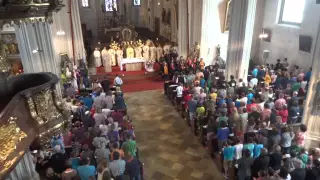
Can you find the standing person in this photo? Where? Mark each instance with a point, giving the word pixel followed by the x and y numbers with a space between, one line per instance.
pixel 86 171
pixel 244 166
pixel 286 138
pixel 192 107
pixel 179 90
pixel 103 170
pixel 275 158
pixel 117 167
pixel 117 81
pixel 129 146
pixel 133 167
pixel 115 148
pixel 69 173
pixel 119 102
pixel 228 154
pixel 260 163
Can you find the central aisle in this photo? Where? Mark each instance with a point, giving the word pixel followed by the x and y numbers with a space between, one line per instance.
pixel 167 148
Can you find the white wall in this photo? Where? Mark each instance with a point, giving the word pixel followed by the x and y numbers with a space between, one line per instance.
pixel 285 38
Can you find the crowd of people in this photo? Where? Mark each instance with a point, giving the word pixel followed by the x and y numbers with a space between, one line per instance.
pixel 99 142
pixel 253 124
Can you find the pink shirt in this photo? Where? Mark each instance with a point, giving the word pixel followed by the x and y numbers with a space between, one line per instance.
pixel 279 103
pixel 300 138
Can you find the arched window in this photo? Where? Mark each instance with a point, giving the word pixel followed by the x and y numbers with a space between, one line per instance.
pixel 111 5
pixel 85 3
pixel 291 12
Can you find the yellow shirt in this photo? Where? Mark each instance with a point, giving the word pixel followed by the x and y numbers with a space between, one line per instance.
pixel 214 96
pixel 267 79
pixel 165 70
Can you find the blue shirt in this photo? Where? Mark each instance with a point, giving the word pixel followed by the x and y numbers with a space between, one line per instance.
pixel 86 171
pixel 192 105
pixel 257 150
pixel 250 147
pixel 202 83
pixel 228 153
pixel 88 101
pixel 255 72
pixel 249 96
pixel 75 163
pixel 220 102
pixel 223 133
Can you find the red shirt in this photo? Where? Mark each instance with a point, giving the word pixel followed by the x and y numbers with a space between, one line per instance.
pixel 186 100
pixel 284 115
pixel 249 106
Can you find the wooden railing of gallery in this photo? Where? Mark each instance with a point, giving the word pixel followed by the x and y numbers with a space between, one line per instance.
pixel 29 108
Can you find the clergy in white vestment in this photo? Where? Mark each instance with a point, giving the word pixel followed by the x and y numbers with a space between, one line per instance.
pixel 138 51
pixel 159 52
pixel 119 55
pixel 153 52
pixel 97 57
pixel 112 54
pixel 106 60
pixel 146 51
pixel 166 49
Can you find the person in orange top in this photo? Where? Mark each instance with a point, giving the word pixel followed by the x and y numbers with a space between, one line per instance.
pixel 267 79
pixel 165 71
pixel 115 148
pixel 202 64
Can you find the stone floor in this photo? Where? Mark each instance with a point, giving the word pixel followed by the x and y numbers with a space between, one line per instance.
pixel 168 149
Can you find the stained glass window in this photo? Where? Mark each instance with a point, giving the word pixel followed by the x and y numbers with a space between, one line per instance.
pixel 111 5
pixel 85 3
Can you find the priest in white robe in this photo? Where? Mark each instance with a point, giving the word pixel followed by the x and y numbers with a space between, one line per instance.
pixel 97 57
pixel 106 60
pixel 159 52
pixel 146 52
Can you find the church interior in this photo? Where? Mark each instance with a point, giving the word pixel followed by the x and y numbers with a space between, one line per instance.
pixel 159 89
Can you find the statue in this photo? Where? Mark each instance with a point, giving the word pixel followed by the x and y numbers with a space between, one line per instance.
pixel 4 63
pixel 218 50
pixel 196 50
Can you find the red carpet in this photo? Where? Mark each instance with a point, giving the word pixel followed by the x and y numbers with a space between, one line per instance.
pixel 133 81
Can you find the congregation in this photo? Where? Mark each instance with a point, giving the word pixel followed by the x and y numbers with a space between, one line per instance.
pixel 252 125
pixel 99 142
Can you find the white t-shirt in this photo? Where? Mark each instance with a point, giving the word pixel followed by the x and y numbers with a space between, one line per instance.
pixel 254 82
pixel 179 91
pixel 238 151
pixel 197 90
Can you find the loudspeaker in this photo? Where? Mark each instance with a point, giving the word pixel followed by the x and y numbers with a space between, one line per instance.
pixel 305 43
pixel 265 54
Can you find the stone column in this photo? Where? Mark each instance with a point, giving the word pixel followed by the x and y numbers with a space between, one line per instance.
pixel 210 30
pixel 311 113
pixel 25 169
pixel 182 28
pixel 195 15
pixel 36 48
pixel 240 38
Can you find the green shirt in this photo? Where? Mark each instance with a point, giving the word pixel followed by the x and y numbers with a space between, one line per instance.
pixel 129 146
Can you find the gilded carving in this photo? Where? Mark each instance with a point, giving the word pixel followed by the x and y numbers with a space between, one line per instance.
pixel 10 136
pixel 44 106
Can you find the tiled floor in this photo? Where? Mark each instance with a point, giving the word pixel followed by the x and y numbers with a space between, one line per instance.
pixel 167 147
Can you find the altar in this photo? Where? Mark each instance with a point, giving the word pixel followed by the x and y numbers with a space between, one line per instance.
pixel 132 64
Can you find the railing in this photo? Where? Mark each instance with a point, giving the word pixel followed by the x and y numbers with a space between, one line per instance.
pixel 30 109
